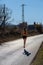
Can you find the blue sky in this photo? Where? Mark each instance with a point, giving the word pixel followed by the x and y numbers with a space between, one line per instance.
pixel 33 10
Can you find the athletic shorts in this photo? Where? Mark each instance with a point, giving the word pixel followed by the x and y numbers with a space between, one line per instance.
pixel 24 37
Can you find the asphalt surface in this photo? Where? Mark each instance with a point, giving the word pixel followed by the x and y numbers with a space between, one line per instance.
pixel 11 53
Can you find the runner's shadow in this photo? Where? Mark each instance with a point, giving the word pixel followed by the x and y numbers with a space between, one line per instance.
pixel 27 53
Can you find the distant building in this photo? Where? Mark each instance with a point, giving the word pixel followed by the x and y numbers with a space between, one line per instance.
pixel 31 27
pixel 22 25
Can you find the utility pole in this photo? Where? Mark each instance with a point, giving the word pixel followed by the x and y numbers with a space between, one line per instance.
pixel 23 12
pixel 23 20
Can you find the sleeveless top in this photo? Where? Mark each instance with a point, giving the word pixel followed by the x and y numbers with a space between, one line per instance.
pixel 24 33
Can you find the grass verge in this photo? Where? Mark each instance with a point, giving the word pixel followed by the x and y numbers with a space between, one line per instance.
pixel 38 60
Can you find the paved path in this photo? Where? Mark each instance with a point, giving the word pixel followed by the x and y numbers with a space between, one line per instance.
pixel 11 53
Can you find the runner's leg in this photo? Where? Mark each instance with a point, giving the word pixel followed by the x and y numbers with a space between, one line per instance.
pixel 24 42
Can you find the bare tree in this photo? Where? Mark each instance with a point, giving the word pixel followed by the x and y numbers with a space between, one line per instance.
pixel 5 15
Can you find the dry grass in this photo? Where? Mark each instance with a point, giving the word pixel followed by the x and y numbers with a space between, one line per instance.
pixel 12 37
pixel 39 57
